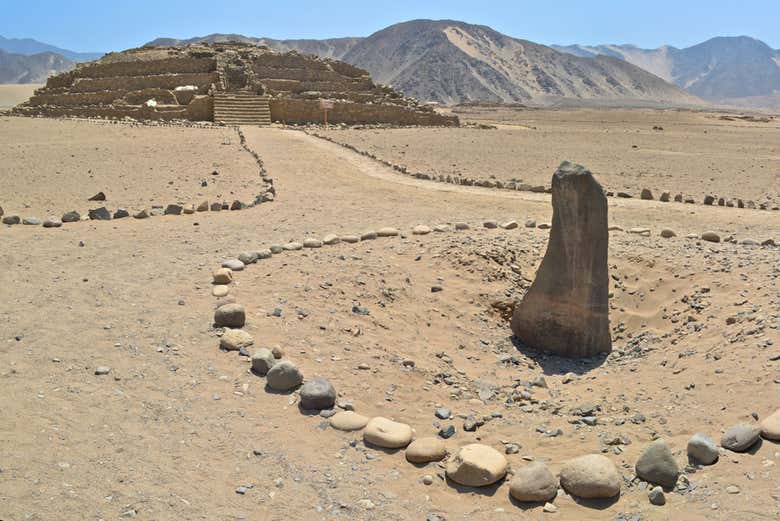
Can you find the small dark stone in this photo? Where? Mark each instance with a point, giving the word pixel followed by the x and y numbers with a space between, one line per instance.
pixel 447 432
pixel 100 196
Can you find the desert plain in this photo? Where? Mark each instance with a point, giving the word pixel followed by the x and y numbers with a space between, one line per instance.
pixel 402 326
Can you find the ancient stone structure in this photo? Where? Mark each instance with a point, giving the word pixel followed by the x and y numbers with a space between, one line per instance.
pixel 233 83
pixel 566 309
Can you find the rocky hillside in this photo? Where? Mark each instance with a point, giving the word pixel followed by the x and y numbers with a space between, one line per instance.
pixel 18 68
pixel 454 62
pixel 723 69
pixel 334 48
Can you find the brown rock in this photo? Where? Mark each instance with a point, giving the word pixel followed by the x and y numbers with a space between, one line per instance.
pixel 477 465
pixel 770 427
pixel 387 433
pixel 533 483
pixel 590 477
pixel 425 450
pixel 566 310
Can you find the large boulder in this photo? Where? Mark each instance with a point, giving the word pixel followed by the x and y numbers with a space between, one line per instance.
pixel 657 465
pixel 590 477
pixel 533 483
pixel 566 310
pixel 477 465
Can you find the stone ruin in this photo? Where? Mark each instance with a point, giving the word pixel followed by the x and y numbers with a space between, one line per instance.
pixel 236 82
pixel 566 309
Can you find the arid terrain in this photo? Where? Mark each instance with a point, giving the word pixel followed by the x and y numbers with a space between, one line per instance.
pixel 401 326
pixel 13 94
pixel 693 153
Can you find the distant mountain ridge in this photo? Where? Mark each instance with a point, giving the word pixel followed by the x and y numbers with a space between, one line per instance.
pixel 18 68
pixel 722 69
pixel 28 47
pixel 453 62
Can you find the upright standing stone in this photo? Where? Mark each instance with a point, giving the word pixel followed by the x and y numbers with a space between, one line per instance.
pixel 566 310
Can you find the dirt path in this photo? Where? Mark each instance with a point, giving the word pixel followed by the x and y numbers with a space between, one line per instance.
pixel 177 426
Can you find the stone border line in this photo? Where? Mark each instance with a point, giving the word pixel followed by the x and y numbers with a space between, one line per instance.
pixel 267 194
pixel 587 477
pixel 646 194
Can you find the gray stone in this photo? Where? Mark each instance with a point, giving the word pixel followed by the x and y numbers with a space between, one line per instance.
pixel 710 237
pixel 656 496
pixel 646 194
pixel 657 465
pixel 590 477
pixel 262 361
pixel 71 217
pixel 52 222
pixel 741 437
pixel 312 243
pixel 247 257
pixel 530 223
pixel 702 449
pixel 317 394
pixel 173 209
pixel 230 315
pixel 100 196
pixel 533 483
pixel 443 413
pixel 141 214
pixel 233 264
pixel 12 219
pixel 566 310
pixel 100 214
pixel 31 221
pixel 284 376
pixel 491 225
pixel 121 213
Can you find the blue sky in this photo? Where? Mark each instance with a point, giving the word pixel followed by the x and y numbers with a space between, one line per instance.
pixel 108 25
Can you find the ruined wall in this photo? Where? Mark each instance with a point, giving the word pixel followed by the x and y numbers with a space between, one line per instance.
pixel 299 111
pixel 180 83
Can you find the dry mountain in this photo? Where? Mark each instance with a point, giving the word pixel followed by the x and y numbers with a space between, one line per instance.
pixel 18 68
pixel 723 69
pixel 454 62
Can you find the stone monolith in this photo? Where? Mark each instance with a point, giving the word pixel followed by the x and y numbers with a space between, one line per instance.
pixel 566 309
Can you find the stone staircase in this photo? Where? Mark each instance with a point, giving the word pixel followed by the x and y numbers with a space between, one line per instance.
pixel 241 108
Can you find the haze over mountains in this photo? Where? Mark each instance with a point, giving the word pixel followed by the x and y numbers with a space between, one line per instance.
pixel 723 69
pixel 453 62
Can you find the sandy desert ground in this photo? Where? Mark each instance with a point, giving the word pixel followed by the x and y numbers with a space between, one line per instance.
pixel 12 94
pixel 693 153
pixel 178 426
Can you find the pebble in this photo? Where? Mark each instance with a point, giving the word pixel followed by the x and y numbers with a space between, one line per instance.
pixel 220 290
pixel 421 230
pixel 741 437
pixel 702 449
pixel 292 246
pixel 443 413
pixel 490 224
pixel 223 276
pixel 350 239
pixel 368 236
pixel 348 421
pixel 533 483
pixel 331 239
pixel 544 226
pixel 52 222
pixel 732 489
pixel 11 219
pixel 121 213
pixel 509 225
pixel 235 339
pixel 590 477
pixel 386 433
pixel 230 315
pixel 276 249
pixel 31 221
pixel 102 370
pixel 284 376
pixel 441 228
pixel 233 264
pixel 387 232
pixel 710 236
pixel 477 465
pixel 71 217
pixel 317 394
pixel 247 257
pixel 425 450
pixel 657 465
pixel 550 508
pixel 666 233
pixel 262 361
pixel 312 243
pixel 461 226
pixel 530 223
pixel 447 432
pixel 141 214
pixel 656 496
pixel 427 479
